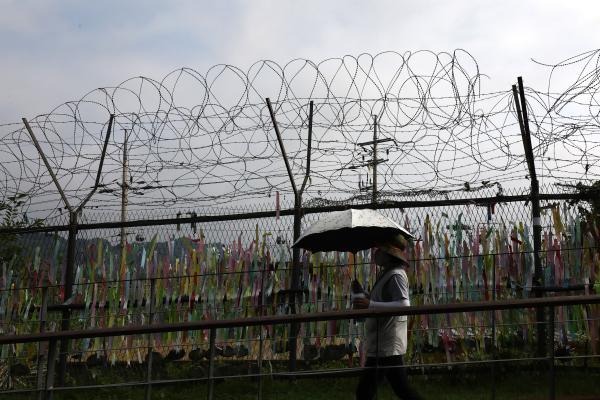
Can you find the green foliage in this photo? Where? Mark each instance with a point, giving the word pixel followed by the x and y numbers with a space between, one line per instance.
pixel 13 217
pixel 590 214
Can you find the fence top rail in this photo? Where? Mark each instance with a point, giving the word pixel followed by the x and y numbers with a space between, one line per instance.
pixel 290 211
pixel 299 318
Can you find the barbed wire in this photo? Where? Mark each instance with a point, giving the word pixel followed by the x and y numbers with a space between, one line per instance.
pixel 204 139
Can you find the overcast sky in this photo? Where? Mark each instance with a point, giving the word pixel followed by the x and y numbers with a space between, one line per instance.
pixel 54 51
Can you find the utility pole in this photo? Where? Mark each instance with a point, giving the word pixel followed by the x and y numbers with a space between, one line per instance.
pixel 374 159
pixel 373 162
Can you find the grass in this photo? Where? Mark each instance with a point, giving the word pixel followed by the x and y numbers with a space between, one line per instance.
pixel 571 383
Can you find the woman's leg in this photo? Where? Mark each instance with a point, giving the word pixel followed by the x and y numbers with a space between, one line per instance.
pixel 398 379
pixel 367 385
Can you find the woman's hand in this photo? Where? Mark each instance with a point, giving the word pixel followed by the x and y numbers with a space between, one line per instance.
pixel 361 303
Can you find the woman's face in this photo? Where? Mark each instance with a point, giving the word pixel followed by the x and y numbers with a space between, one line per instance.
pixel 381 258
pixel 384 259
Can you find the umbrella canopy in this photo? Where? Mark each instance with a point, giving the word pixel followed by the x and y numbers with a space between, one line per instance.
pixel 350 230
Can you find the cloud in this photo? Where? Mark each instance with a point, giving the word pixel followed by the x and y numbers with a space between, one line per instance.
pixel 54 51
pixel 58 50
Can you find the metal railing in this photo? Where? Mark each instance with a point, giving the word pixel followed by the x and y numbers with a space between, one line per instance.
pixel 46 386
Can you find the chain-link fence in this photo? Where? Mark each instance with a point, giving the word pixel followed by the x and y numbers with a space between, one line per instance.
pixel 182 267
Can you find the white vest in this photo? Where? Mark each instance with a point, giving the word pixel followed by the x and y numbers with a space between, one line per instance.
pixel 386 336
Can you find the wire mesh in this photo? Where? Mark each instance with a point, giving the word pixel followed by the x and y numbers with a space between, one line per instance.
pixel 446 142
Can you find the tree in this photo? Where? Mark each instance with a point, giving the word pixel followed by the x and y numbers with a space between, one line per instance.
pixel 590 214
pixel 13 217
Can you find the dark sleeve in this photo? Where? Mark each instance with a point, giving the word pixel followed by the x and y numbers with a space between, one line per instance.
pixel 396 288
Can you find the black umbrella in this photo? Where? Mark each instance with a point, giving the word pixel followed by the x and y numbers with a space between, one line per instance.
pixel 350 230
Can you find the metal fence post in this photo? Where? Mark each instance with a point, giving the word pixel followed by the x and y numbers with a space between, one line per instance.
pixel 259 362
pixel 40 364
pixel 211 363
pixel 538 277
pixel 73 212
pixel 48 393
pixel 150 340
pixel 551 355
pixel 295 284
pixel 68 290
pixel 494 333
pixel 292 342
pixel 260 334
